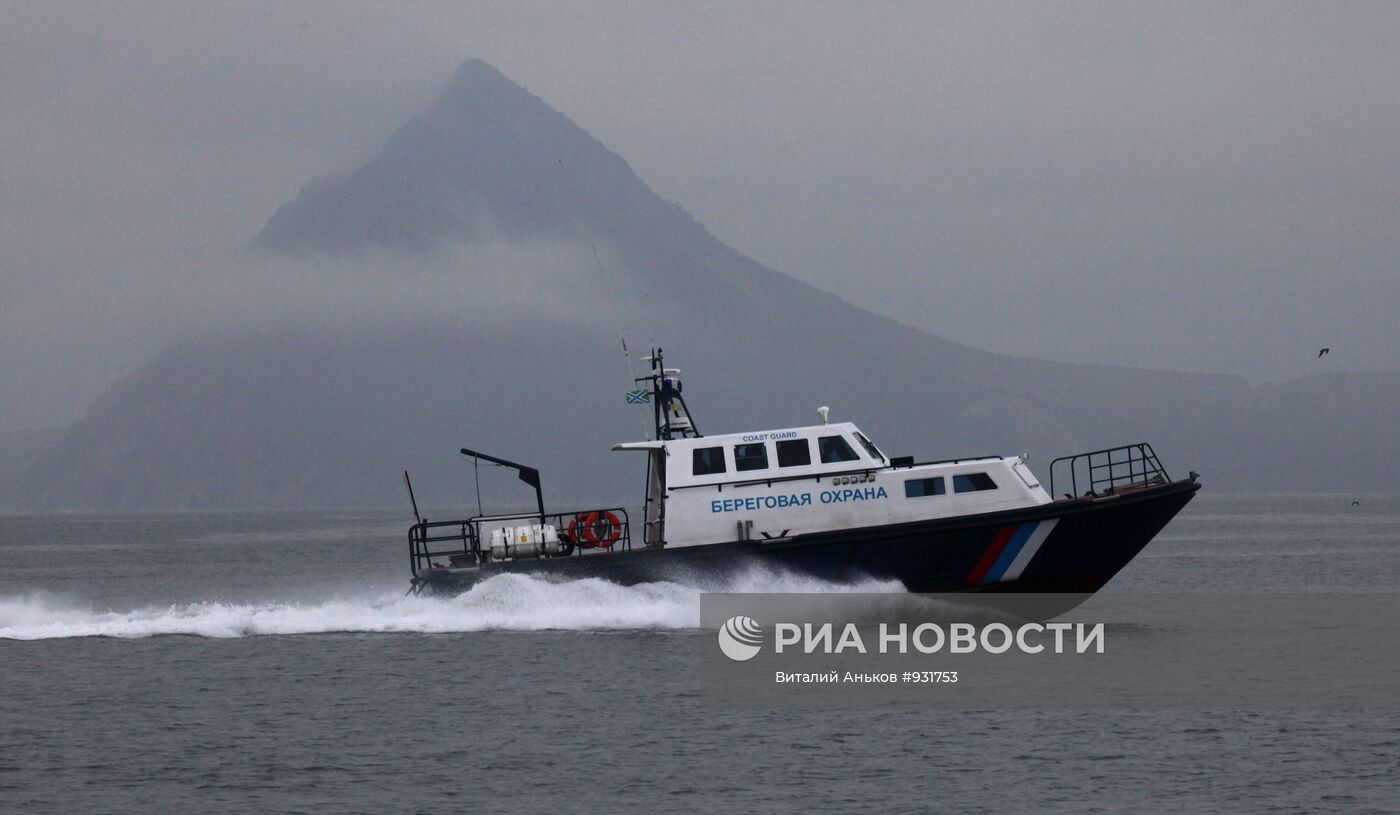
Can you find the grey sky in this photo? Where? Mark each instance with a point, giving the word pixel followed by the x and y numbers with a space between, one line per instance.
pixel 1208 187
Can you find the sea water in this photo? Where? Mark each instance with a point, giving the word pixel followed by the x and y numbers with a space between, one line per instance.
pixel 272 662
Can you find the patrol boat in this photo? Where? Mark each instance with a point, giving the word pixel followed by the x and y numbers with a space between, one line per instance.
pixel 824 501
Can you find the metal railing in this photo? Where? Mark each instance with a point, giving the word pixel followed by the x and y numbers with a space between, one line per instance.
pixel 1102 472
pixel 426 539
pixel 459 543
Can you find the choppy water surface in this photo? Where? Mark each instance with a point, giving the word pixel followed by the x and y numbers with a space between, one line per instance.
pixel 233 663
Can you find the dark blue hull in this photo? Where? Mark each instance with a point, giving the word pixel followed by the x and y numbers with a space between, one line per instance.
pixel 1074 545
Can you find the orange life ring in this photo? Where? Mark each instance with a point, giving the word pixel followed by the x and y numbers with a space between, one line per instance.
pixel 595 530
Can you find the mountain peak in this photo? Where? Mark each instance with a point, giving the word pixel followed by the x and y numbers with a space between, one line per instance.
pixel 475 79
pixel 479 70
pixel 488 160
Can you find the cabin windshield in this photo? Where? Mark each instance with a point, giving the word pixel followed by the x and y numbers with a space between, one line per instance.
pixel 869 446
pixel 835 450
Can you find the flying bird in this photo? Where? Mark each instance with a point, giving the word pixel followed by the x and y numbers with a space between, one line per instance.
pixel 1324 352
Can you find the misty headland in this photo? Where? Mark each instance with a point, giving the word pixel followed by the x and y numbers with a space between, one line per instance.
pixel 469 285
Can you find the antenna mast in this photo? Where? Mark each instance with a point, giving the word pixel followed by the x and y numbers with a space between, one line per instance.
pixel 671 413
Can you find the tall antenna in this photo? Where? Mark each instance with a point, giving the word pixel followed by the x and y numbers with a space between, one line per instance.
pixel 617 312
pixel 632 377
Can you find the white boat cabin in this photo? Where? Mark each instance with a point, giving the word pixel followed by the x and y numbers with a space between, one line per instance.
pixel 778 483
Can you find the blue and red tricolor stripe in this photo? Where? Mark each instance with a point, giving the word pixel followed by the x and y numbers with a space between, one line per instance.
pixel 1010 551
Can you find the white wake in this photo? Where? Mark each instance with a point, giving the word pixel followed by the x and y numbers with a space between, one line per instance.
pixel 502 603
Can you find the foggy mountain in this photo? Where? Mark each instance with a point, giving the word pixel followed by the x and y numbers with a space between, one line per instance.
pixel 554 249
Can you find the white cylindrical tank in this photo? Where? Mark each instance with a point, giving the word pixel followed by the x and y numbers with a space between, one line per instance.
pixel 525 541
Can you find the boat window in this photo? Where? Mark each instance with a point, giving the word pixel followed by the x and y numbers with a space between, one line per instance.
pixel 708 460
pixel 834 449
pixel 921 487
pixel 869 447
pixel 794 453
pixel 973 482
pixel 750 457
